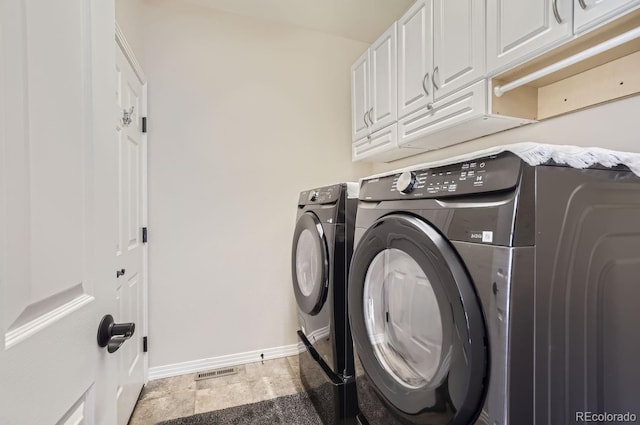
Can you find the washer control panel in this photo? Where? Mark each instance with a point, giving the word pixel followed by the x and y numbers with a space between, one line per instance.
pixel 497 172
pixel 321 195
pixel 406 182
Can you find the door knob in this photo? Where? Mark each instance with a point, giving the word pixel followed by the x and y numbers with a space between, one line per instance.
pixel 112 335
pixel 120 273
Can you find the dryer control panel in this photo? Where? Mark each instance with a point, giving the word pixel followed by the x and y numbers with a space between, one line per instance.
pixel 321 195
pixel 493 173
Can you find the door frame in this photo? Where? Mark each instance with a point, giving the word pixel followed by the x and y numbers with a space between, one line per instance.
pixel 123 44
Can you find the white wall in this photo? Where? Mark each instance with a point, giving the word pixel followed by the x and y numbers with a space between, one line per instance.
pixel 243 115
pixel 614 125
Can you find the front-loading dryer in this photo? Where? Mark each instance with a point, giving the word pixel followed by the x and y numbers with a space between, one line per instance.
pixel 493 292
pixel 321 253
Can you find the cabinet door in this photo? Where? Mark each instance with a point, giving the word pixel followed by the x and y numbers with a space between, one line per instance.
pixel 360 97
pixel 415 58
pixel 519 29
pixel 458 40
pixel 449 113
pixel 589 13
pixel 381 141
pixel 384 80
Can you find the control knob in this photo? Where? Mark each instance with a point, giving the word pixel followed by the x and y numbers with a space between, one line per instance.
pixel 313 196
pixel 406 181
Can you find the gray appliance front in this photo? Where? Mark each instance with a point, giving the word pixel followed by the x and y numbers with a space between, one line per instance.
pixel 308 260
pixel 503 277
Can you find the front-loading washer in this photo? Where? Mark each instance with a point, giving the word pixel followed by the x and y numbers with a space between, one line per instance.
pixel 321 253
pixel 493 292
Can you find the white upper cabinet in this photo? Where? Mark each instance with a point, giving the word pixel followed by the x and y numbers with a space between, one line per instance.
pixel 374 87
pixel 440 50
pixel 458 44
pixel 360 97
pixel 589 13
pixel 428 81
pixel 519 29
pixel 415 58
pixel 383 106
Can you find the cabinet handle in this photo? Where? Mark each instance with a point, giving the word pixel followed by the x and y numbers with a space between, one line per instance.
pixel 555 11
pixel 424 84
pixel 365 119
pixel 369 114
pixel 583 5
pixel 433 78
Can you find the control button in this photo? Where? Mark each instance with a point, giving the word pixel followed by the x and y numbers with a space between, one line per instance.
pixel 482 164
pixel 313 196
pixel 406 182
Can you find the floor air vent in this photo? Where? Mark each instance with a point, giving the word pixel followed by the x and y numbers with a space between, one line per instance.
pixel 216 373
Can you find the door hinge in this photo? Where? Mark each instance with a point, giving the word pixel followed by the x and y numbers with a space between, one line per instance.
pixel 145 347
pixel 144 235
pixel 144 124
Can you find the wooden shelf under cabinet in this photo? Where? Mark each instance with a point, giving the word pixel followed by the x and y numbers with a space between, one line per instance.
pixel 602 78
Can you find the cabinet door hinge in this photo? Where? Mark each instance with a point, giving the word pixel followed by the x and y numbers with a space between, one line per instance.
pixel 144 235
pixel 144 124
pixel 145 347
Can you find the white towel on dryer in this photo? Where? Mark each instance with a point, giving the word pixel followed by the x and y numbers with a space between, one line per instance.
pixel 540 153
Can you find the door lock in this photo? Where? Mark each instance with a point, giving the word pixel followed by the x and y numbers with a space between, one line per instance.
pixel 112 335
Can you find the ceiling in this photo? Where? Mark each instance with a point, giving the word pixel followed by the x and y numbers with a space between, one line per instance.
pixel 362 20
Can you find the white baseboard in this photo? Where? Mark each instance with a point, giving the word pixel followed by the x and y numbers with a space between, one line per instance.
pixel 194 366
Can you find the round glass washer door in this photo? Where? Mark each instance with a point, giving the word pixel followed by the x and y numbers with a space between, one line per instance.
pixel 403 319
pixel 307 262
pixel 416 321
pixel 310 264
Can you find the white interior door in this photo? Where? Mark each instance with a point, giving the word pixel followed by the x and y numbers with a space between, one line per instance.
pixel 129 246
pixel 57 211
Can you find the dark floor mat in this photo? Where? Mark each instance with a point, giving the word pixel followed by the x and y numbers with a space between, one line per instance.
pixel 295 409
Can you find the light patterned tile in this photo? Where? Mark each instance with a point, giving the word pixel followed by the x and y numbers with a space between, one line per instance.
pixel 152 411
pixel 235 394
pixel 274 367
pixel 182 396
pixel 278 386
pixel 167 386
pixel 294 364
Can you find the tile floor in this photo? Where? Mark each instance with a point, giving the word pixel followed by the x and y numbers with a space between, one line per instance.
pixel 179 396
